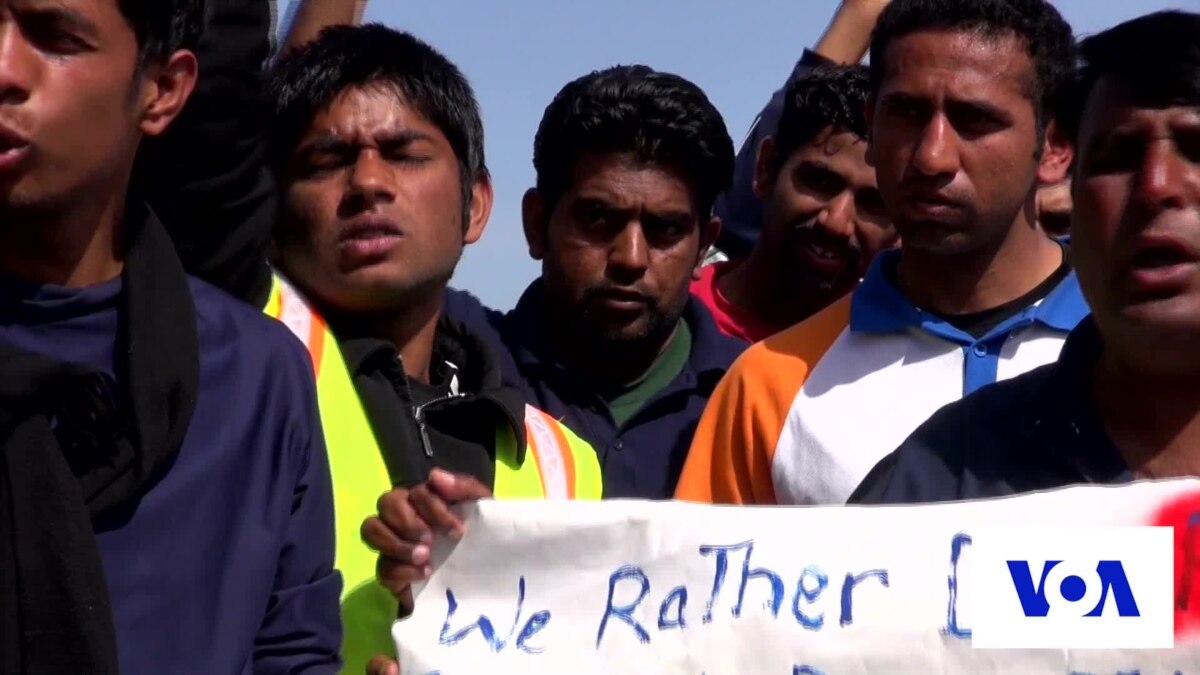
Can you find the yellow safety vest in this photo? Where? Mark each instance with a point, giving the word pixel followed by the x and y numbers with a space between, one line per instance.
pixel 564 466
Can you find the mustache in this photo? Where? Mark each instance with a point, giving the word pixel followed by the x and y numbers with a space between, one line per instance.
pixel 624 293
pixel 810 230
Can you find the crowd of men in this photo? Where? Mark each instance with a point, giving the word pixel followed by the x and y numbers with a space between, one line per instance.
pixel 239 398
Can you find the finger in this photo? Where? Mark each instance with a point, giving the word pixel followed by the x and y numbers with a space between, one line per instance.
pixel 383 540
pixel 382 665
pixel 435 512
pixel 405 600
pixel 398 578
pixel 455 488
pixel 397 513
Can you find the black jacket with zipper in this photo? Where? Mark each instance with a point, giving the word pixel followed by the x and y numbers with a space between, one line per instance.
pixel 419 427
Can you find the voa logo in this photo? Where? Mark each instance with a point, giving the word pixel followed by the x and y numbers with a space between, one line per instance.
pixel 1073 588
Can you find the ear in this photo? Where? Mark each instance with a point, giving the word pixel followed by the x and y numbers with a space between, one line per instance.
pixel 869 115
pixel 165 90
pixel 764 178
pixel 536 222
pixel 708 236
pixel 1057 154
pixel 482 197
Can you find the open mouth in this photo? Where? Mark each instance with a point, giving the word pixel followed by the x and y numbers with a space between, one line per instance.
pixel 1160 256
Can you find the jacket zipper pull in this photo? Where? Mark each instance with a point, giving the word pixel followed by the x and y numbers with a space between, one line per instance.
pixel 419 413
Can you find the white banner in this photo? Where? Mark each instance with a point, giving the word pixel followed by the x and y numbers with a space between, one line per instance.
pixel 639 587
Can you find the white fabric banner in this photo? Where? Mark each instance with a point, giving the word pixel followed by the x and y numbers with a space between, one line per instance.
pixel 641 587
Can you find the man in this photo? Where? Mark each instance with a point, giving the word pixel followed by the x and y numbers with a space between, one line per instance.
pixel 1121 403
pixel 378 143
pixel 962 98
pixel 629 161
pixel 740 208
pixel 166 501
pixel 823 218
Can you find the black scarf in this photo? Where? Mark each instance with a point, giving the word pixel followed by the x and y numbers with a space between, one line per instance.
pixel 74 448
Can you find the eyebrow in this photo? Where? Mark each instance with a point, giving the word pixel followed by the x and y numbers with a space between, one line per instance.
pixel 970 103
pixel 58 13
pixel 333 143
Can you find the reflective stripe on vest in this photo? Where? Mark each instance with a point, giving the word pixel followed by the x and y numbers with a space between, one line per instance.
pixel 304 323
pixel 556 463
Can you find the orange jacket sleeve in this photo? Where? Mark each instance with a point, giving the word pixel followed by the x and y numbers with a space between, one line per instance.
pixel 735 443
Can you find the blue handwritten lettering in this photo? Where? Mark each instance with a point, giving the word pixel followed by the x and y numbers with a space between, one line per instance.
pixel 718 575
pixel 806 670
pixel 749 573
pixel 677 598
pixel 957 544
pixel 625 612
pixel 848 591
pixel 484 624
pixel 810 595
pixel 532 627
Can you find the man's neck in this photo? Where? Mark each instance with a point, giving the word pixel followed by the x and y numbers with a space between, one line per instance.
pixel 761 289
pixel 75 248
pixel 965 283
pixel 610 365
pixel 412 331
pixel 1152 419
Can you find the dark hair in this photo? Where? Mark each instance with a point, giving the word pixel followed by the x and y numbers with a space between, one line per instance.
pixel 825 97
pixel 342 57
pixel 658 117
pixel 1047 37
pixel 163 27
pixel 1156 58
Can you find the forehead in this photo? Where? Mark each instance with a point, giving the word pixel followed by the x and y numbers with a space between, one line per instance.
pixel 625 182
pixel 101 15
pixel 363 112
pixel 1111 109
pixel 957 64
pixel 839 151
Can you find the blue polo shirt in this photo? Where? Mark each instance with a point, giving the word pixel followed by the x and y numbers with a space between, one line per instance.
pixel 1039 431
pixel 805 414
pixel 226 564
pixel 641 458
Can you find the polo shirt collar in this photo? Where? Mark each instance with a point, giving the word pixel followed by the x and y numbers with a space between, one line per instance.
pixel 878 305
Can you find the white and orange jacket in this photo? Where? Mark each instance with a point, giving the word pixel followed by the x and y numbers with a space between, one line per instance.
pixel 802 416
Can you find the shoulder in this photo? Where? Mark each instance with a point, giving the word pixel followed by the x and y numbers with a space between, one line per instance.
pixel 253 339
pixel 982 435
pixel 712 349
pixel 792 353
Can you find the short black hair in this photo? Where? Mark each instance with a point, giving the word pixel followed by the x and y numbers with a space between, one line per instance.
pixel 1155 57
pixel 307 80
pixel 822 98
pixel 163 27
pixel 1047 38
pixel 658 117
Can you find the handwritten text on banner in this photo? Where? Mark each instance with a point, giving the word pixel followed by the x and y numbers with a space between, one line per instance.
pixel 639 587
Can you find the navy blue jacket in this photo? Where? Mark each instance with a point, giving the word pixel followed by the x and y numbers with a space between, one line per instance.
pixel 1036 431
pixel 641 459
pixel 226 565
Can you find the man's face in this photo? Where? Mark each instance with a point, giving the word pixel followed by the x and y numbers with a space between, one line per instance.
pixel 619 247
pixel 373 217
pixel 69 109
pixel 954 139
pixel 823 216
pixel 1136 227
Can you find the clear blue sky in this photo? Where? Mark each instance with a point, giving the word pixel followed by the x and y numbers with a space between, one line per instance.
pixel 519 53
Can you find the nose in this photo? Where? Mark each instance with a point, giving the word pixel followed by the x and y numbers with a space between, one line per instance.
pixel 17 65
pixel 629 254
pixel 1162 180
pixel 370 179
pixel 936 154
pixel 838 216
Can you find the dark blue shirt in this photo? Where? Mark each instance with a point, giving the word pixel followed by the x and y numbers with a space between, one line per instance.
pixel 1036 431
pixel 641 458
pixel 226 565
